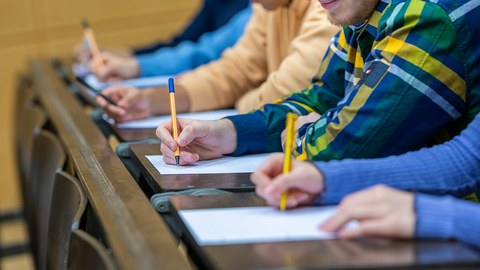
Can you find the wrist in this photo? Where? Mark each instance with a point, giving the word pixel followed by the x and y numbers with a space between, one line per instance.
pixel 152 101
pixel 319 174
pixel 134 67
pixel 229 135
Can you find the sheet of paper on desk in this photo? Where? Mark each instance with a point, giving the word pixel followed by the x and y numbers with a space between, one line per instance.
pixel 143 82
pixel 226 226
pixel 226 164
pixel 154 122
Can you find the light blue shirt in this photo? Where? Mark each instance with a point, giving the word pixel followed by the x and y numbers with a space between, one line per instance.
pixel 188 55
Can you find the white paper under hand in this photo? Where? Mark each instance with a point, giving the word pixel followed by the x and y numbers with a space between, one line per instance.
pixel 226 164
pixel 222 226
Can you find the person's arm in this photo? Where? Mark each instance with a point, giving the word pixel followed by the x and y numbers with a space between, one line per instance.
pixel 267 124
pixel 411 91
pixel 295 72
pixel 211 86
pixel 446 217
pixel 450 168
pixel 189 55
pixel 244 68
pixel 192 32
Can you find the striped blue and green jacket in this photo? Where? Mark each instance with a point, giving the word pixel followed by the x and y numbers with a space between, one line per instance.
pixel 407 77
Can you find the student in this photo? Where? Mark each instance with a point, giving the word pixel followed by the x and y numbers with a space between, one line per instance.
pixel 451 168
pixel 283 44
pixel 398 76
pixel 185 56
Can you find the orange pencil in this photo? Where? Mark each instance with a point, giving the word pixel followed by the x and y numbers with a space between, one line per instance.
pixel 92 45
pixel 173 113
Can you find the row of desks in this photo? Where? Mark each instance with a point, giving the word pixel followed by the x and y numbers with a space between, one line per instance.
pixel 331 254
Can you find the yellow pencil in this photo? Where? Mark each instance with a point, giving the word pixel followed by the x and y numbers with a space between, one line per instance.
pixel 92 45
pixel 173 113
pixel 287 162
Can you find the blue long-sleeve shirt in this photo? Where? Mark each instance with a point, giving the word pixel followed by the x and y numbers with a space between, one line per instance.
pixel 189 55
pixel 446 217
pixel 213 15
pixel 451 168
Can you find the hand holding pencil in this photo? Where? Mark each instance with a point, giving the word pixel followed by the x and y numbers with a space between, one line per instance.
pixel 304 182
pixel 98 64
pixel 173 113
pixel 197 140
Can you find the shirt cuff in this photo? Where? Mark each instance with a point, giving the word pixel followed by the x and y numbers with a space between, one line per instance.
pixel 146 65
pixel 332 177
pixel 252 133
pixel 435 216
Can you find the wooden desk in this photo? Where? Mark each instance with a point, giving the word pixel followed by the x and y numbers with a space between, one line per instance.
pixel 161 183
pixel 130 227
pixel 126 135
pixel 328 254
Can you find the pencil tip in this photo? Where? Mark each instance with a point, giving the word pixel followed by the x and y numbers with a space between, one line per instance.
pixel 177 160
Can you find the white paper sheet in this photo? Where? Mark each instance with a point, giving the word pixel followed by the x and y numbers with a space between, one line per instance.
pixel 143 82
pixel 154 122
pixel 223 226
pixel 226 164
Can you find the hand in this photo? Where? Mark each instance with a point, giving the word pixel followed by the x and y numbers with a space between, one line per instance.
pixel 381 211
pixel 80 53
pixel 198 140
pixel 302 120
pixel 116 67
pixel 132 103
pixel 304 182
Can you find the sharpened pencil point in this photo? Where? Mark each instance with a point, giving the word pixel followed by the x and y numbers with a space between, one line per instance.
pixel 177 160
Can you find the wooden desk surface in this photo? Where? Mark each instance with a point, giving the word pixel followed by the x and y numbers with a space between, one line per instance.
pixel 130 134
pixel 135 233
pixel 161 183
pixel 326 254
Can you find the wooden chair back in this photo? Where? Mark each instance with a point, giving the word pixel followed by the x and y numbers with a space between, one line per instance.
pixel 86 252
pixel 30 123
pixel 48 159
pixel 68 205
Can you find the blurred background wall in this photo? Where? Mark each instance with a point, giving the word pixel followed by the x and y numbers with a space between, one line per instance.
pixel 48 28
